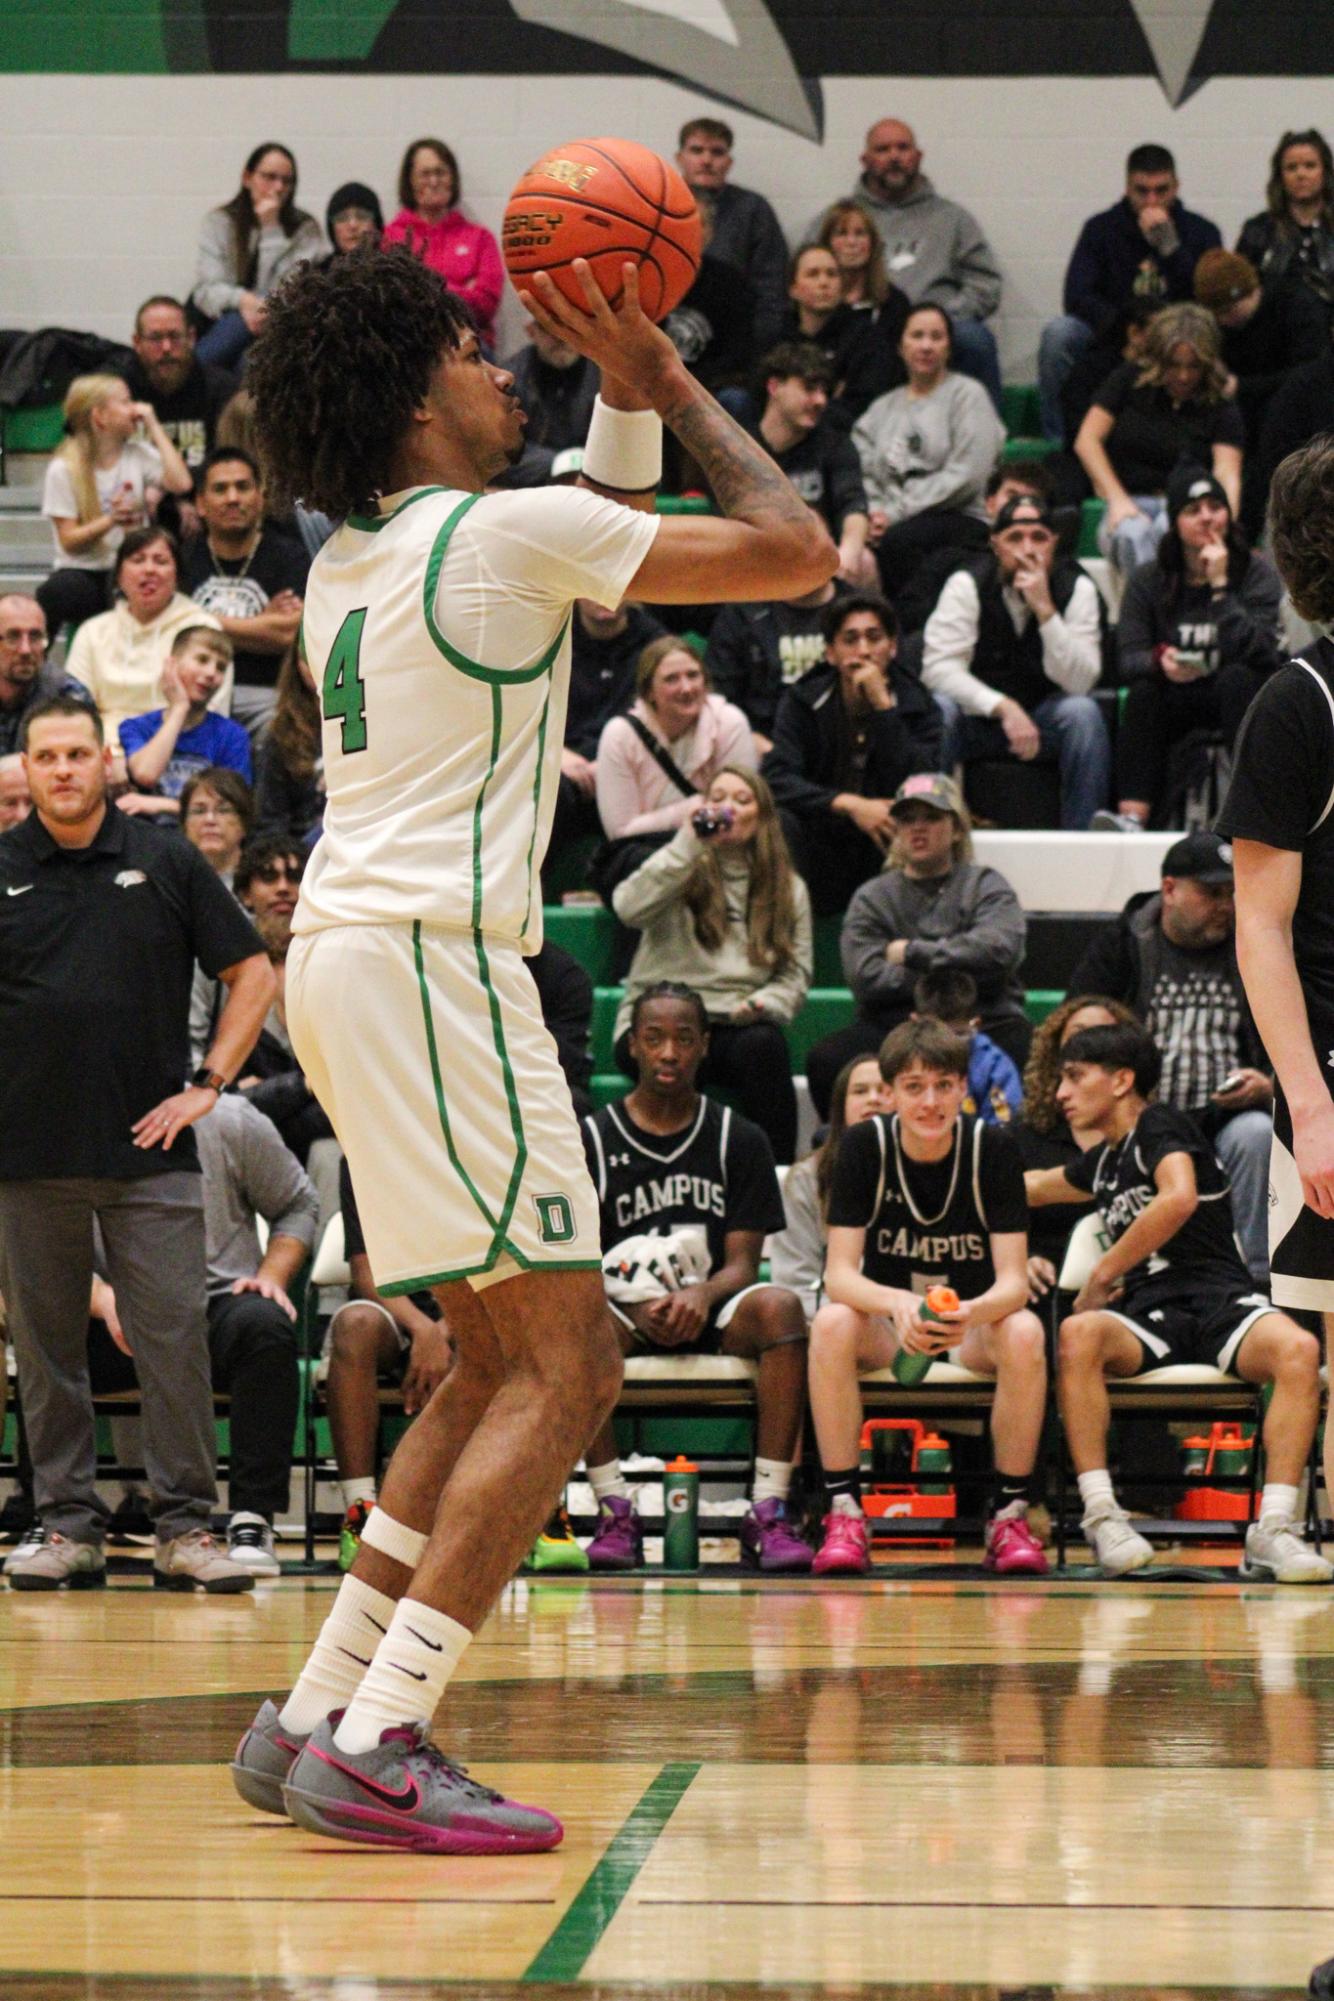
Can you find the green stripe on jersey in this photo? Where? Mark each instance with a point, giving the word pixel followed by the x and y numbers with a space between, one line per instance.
pixel 473 668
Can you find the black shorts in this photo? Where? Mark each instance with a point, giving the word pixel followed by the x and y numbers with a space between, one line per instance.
pixel 710 1341
pixel 1301 1244
pixel 1210 1328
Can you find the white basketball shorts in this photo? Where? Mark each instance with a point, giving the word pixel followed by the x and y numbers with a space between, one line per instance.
pixel 427 1049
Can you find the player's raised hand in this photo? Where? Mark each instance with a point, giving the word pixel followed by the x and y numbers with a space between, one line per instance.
pixel 621 339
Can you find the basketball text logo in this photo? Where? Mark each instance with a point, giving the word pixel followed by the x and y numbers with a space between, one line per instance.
pixel 555 1219
pixel 572 174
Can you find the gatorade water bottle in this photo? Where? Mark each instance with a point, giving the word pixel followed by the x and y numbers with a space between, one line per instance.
pixel 933 1457
pixel 680 1503
pixel 909 1368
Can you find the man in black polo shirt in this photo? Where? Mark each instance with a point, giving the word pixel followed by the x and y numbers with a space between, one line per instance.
pixel 101 921
pixel 249 574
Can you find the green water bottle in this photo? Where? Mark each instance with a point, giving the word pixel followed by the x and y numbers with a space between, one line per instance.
pixel 909 1368
pixel 933 1458
pixel 1233 1456
pixel 680 1506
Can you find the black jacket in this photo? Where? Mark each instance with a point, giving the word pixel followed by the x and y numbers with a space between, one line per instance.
pixel 810 734
pixel 1288 328
pixel 565 996
pixel 1272 249
pixel 1297 412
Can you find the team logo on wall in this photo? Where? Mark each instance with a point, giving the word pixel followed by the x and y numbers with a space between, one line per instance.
pixel 763 56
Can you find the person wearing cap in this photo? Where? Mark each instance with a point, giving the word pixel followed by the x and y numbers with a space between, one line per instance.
pixel 1166 409
pixel 933 909
pixel 353 221
pixel 845 736
pixel 1267 331
pixel 556 387
pixel 1014 646
pixel 1171 956
pixel 1198 637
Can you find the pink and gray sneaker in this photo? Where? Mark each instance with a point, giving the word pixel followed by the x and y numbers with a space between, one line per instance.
pixel 846 1549
pixel 265 1755
pixel 771 1544
pixel 619 1542
pixel 407 1794
pixel 1012 1548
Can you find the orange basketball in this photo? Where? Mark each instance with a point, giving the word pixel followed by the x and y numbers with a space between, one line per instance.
pixel 613 202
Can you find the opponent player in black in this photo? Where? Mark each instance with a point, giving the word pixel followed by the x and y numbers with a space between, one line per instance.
pixel 924 1195
pixel 1173 1287
pixel 1279 816
pixel 672 1166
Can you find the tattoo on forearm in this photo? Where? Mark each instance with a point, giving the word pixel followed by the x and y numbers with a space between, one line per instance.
pixel 745 480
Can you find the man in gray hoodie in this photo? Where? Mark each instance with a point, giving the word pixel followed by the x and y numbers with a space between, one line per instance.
pixel 934 249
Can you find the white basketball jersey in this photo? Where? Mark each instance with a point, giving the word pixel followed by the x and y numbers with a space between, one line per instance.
pixel 438 636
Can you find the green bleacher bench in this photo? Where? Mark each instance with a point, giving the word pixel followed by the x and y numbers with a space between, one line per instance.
pixel 1090 521
pixel 37 430
pixel 1039 1002
pixel 587 933
pixel 1020 410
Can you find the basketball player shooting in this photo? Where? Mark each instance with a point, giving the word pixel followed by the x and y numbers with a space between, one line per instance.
pixel 437 629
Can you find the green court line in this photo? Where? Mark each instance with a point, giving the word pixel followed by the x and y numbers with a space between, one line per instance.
pixel 567 1951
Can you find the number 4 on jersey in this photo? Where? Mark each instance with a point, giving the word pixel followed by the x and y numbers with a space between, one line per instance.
pixel 344 689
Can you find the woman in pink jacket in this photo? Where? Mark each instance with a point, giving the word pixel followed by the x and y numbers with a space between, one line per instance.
pixel 429 222
pixel 675 725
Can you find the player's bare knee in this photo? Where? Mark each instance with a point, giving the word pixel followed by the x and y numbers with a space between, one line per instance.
pixel 778 1321
pixel 835 1334
pixel 355 1337
pixel 1080 1342
pixel 1022 1343
pixel 1297 1356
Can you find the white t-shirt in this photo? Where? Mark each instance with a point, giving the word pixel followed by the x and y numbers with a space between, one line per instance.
pixel 138 466
pixel 438 634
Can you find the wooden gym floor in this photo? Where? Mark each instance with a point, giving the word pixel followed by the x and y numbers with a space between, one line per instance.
pixel 927 1788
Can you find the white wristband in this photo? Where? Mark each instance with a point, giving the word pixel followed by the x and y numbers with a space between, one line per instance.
pixel 624 449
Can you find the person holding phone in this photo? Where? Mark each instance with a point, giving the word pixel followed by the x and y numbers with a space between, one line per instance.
pixel 1198 637
pixel 722 908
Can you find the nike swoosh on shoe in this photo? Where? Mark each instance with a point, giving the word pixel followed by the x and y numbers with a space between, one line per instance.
pixel 406 1801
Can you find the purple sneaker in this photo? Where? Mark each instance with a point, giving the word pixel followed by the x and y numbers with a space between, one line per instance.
pixel 619 1542
pixel 770 1543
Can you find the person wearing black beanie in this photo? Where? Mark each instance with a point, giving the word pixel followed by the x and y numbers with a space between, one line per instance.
pixel 353 220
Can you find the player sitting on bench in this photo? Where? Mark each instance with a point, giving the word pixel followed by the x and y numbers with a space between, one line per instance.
pixel 925 1195
pixel 1172 1288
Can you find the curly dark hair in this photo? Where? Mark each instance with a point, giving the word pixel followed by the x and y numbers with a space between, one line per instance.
pixel 1301 527
pixel 345 357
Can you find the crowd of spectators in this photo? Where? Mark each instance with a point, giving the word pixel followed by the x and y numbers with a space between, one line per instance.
pixel 731 776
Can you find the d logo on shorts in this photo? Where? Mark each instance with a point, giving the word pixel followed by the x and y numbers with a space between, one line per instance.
pixel 555 1219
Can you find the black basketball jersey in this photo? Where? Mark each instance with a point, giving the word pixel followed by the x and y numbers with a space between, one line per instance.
pixel 1203 1258
pixel 718 1173
pixel 929 1222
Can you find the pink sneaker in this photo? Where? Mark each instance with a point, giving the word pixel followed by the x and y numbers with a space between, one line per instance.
pixel 1012 1548
pixel 846 1549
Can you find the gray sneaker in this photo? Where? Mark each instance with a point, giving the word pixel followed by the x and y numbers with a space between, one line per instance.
pixel 196 1561
pixel 264 1757
pixel 1276 1554
pixel 406 1794
pixel 44 1561
pixel 1118 1547
pixel 1105 821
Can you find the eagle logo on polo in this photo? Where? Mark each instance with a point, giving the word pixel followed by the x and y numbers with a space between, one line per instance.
pixel 128 877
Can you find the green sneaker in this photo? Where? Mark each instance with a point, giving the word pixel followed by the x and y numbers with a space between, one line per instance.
pixel 556 1548
pixel 349 1536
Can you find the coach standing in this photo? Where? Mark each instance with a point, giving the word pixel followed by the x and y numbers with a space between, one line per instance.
pixel 1279 816
pixel 101 921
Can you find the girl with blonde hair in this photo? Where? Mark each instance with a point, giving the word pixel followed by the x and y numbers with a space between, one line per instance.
pixel 722 908
pixel 104 480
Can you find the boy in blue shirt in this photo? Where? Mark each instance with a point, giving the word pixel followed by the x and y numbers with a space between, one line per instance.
pixel 995 1089
pixel 168 746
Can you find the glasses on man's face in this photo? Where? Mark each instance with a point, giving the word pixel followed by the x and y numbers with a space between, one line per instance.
pixel 176 338
pixel 211 810
pixel 279 872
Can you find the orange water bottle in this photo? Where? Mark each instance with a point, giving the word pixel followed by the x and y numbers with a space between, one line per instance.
pixel 940 1300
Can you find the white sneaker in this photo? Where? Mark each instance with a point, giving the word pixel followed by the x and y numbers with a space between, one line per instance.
pixel 1275 1553
pixel 1105 821
pixel 1118 1548
pixel 250 1546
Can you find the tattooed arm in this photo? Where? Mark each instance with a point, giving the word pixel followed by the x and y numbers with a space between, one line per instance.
pixel 770 543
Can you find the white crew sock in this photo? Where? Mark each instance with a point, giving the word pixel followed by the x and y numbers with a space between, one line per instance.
pixel 773 1477
pixel 356 1490
pixel 340 1656
pixel 846 1504
pixel 608 1480
pixel 407 1678
pixel 1278 1500
pixel 1095 1488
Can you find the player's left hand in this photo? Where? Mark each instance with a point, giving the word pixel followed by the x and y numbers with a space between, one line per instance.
pixel 1041 1278
pixel 1253 1088
pixel 267 1288
pixel 677 1318
pixel 160 1126
pixel 1098 1292
pixel 428 1365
